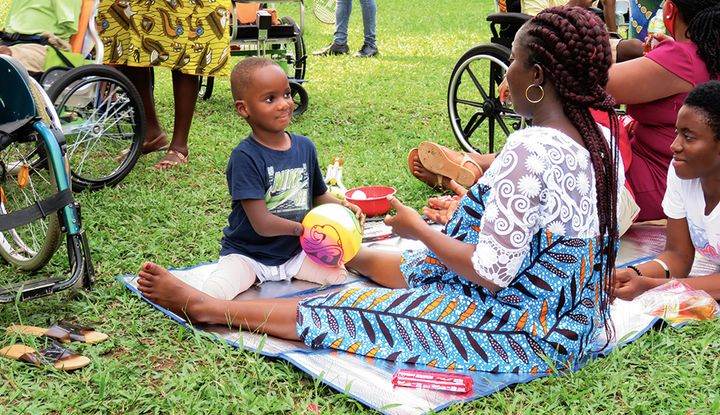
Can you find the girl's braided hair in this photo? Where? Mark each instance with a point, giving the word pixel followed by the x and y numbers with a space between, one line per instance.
pixel 706 98
pixel 703 20
pixel 572 46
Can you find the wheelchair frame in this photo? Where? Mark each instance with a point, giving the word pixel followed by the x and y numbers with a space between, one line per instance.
pixel 22 124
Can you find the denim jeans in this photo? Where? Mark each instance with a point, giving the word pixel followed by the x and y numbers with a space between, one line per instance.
pixel 342 18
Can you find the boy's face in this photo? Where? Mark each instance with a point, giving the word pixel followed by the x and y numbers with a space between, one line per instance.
pixel 267 104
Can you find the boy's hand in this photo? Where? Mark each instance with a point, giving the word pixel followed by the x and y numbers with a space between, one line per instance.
pixel 356 209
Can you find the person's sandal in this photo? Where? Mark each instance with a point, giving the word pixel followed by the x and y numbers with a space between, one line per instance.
pixel 435 160
pixel 165 163
pixel 437 182
pixel 63 332
pixel 56 356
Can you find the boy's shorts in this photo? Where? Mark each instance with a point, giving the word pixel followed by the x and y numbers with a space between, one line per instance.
pixel 236 273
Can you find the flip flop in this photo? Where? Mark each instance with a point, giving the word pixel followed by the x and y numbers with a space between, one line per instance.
pixel 56 356
pixel 63 332
pixel 167 164
pixel 436 160
pixel 159 139
pixel 412 156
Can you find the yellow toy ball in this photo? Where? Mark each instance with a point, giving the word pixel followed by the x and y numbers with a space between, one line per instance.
pixel 332 234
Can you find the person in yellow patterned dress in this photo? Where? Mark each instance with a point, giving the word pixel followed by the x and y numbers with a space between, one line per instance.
pixel 190 37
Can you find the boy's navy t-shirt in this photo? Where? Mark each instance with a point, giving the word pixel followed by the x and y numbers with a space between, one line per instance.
pixel 287 181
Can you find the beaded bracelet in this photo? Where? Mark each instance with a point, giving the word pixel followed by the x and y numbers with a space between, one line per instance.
pixel 664 266
pixel 636 269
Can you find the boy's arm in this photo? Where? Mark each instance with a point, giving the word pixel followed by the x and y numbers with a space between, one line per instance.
pixel 265 223
pixel 328 198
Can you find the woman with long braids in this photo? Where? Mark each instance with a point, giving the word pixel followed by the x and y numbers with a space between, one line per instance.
pixel 519 279
pixel 654 87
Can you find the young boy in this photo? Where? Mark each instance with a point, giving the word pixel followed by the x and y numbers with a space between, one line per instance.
pixel 274 179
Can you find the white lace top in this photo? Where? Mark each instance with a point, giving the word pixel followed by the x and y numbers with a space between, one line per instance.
pixel 541 179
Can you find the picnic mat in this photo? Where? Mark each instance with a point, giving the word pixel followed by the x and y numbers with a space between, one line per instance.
pixel 368 380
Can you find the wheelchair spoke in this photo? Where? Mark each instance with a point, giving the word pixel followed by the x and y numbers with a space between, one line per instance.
pixel 474 123
pixel 470 103
pixel 478 86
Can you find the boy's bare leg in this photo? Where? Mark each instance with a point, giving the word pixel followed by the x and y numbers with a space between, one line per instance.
pixel 381 267
pixel 275 316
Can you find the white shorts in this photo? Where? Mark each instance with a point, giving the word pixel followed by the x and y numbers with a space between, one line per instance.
pixel 236 273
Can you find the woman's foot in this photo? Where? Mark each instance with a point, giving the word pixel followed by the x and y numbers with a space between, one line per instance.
pixel 158 285
pixel 159 143
pixel 171 159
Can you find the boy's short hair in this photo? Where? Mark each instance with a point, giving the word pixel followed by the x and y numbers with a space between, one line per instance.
pixel 706 98
pixel 243 72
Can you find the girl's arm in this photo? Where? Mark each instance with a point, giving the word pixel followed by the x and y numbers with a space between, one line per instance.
pixel 267 224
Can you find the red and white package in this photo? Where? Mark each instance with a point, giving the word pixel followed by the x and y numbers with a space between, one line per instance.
pixel 451 382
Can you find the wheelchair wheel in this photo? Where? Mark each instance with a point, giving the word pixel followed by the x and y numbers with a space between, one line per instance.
pixel 103 122
pixel 26 177
pixel 473 99
pixel 298 61
pixel 205 87
pixel 300 98
pixel 51 75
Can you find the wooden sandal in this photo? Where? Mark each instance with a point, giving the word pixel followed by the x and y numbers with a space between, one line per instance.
pixel 62 332
pixel 165 163
pixel 56 356
pixel 435 159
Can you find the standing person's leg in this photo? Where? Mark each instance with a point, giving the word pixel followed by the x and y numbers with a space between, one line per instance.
pixel 141 77
pixel 342 21
pixel 185 92
pixel 609 15
pixel 369 14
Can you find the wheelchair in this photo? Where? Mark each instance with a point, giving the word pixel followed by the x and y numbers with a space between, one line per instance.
pixel 479 121
pixel 100 110
pixel 36 203
pixel 254 34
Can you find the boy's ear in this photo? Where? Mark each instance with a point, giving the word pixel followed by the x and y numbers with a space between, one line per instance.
pixel 241 108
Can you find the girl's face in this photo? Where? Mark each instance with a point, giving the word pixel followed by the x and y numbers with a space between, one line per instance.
pixel 696 149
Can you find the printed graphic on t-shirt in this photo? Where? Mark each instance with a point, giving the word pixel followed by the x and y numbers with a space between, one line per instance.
pixel 287 196
pixel 701 242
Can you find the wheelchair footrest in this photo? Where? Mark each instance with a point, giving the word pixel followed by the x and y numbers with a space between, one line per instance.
pixel 250 32
pixel 28 289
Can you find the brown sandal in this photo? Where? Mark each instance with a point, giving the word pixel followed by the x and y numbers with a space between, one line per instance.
pixel 436 182
pixel 56 356
pixel 167 163
pixel 62 332
pixel 436 160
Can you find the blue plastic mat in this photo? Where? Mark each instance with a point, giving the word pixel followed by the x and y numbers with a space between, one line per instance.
pixel 369 380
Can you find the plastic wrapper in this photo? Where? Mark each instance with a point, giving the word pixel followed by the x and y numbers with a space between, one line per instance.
pixel 677 303
pixel 450 382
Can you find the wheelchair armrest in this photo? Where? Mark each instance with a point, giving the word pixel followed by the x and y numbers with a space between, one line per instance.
pixel 505 18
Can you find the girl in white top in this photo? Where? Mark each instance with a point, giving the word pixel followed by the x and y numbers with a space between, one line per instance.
pixel 690 203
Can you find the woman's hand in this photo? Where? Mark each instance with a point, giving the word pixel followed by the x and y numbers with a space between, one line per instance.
pixel 407 222
pixel 653 39
pixel 504 92
pixel 356 209
pixel 440 209
pixel 629 285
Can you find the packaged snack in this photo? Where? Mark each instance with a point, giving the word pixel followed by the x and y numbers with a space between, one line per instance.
pixel 677 303
pixel 424 379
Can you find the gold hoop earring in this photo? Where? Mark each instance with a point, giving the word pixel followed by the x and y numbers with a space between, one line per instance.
pixel 542 93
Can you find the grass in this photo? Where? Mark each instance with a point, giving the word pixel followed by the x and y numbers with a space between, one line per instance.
pixel 370 112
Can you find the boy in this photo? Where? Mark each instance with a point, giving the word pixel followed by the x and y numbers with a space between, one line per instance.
pixel 274 179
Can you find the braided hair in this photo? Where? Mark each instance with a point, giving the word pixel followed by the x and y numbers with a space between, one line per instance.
pixel 703 20
pixel 706 98
pixel 572 46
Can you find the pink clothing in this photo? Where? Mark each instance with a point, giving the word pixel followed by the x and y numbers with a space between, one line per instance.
pixel 654 127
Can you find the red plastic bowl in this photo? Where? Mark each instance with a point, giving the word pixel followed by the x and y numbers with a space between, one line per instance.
pixel 376 203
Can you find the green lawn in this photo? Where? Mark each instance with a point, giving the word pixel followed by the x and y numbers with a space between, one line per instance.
pixel 370 112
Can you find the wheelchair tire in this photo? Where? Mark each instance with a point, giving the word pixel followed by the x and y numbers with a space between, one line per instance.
pixel 300 97
pixel 205 87
pixel 470 102
pixel 299 61
pixel 29 247
pixel 103 121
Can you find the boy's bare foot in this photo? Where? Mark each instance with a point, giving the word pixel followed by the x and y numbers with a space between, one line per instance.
pixel 158 285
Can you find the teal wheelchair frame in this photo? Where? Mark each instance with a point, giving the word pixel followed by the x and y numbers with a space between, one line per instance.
pixel 36 201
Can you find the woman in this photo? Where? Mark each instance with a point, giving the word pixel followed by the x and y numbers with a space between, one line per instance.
pixel 654 87
pixel 191 39
pixel 520 276
pixel 690 203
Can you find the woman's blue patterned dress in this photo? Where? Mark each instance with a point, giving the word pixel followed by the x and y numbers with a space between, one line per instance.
pixel 533 219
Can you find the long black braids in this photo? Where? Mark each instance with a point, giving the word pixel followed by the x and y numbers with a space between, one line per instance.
pixel 703 19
